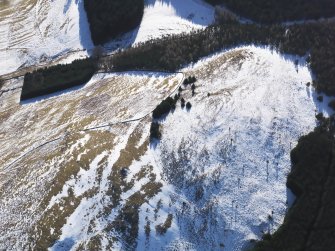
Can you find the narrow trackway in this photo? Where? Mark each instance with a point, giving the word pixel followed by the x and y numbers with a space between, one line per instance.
pixel 5 169
pixel 8 90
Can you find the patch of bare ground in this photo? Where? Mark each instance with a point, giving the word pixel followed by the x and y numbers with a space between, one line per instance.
pixel 126 222
pixel 161 229
pixel 80 158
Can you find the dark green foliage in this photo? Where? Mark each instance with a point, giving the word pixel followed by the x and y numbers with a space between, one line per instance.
pixel 224 16
pixel 274 11
pixel 57 78
pixel 309 224
pixel 193 89
pixel 188 106
pixel 164 107
pixel 332 104
pixel 176 97
pixel 189 80
pixel 154 131
pixel 173 52
pixel 110 18
pixel 319 116
pixel 266 237
pixel 182 101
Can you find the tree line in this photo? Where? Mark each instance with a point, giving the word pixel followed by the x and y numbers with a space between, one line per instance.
pixel 274 11
pixel 170 53
pixel 315 40
pixel 309 223
pixel 56 78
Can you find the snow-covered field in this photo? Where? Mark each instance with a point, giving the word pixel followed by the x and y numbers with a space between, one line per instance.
pixel 224 163
pixel 162 17
pixel 215 181
pixel 36 31
pixel 228 156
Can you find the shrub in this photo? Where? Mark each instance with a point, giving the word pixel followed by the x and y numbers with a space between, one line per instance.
pixel 189 80
pixel 182 101
pixel 188 105
pixel 164 107
pixel 176 97
pixel 319 116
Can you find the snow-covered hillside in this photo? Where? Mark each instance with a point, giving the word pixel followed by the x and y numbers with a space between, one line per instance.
pixel 224 162
pixel 215 180
pixel 162 17
pixel 36 31
pixel 228 156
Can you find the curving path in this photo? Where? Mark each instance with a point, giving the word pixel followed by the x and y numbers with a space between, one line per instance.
pixel 90 128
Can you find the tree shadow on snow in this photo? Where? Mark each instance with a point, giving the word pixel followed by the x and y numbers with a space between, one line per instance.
pixel 64 245
pixel 84 28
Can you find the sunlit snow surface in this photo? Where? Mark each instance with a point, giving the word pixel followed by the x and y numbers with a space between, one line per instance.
pixel 35 31
pixel 228 157
pixel 224 163
pixel 162 17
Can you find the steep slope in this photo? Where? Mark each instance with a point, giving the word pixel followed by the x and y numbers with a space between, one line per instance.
pixel 215 180
pixel 228 156
pixel 37 31
pixel 46 144
pixel 163 17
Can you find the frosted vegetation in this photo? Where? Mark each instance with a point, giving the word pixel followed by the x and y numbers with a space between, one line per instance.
pixel 79 171
pixel 224 162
